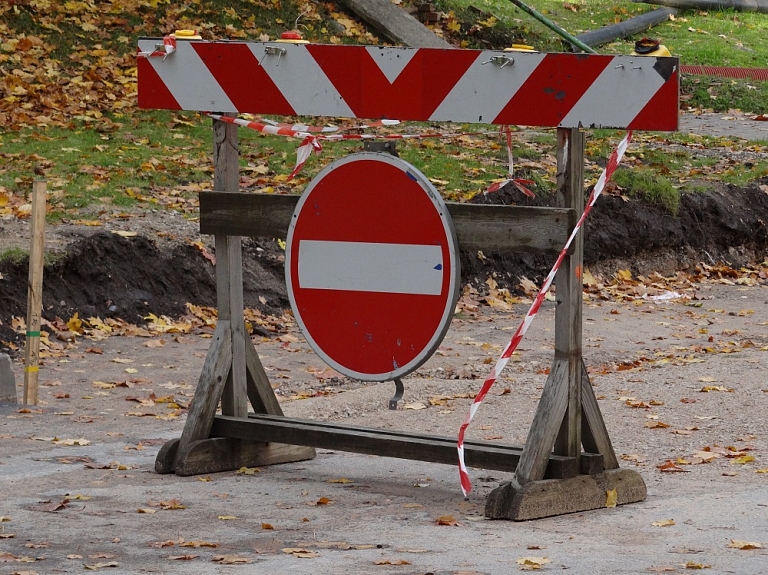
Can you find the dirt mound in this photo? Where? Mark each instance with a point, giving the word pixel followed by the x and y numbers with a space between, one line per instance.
pixel 107 275
pixel 726 224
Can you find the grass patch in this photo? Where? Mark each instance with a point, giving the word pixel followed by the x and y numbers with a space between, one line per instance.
pixel 645 183
pixel 14 256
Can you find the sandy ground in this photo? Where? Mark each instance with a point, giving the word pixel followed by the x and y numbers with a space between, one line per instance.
pixel 380 515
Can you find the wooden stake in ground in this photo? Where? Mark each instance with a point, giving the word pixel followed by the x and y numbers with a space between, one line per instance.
pixel 35 292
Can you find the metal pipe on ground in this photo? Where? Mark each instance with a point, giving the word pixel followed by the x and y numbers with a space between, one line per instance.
pixel 552 26
pixel 738 5
pixel 627 27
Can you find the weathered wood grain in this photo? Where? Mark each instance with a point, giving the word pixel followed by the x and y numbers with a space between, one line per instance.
pixel 568 313
pixel 478 227
pixel 387 443
pixel 224 454
pixel 551 497
pixel 215 370
pixel 545 426
pixel 594 434
pixel 260 392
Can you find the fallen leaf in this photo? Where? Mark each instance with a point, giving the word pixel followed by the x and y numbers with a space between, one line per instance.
pixel 300 552
pixel 161 544
pixel 267 526
pixel 391 562
pixel 656 425
pixel 248 470
pixel 708 388
pixel 447 520
pixel 198 543
pixel 340 480
pixel 230 560
pixel 611 498
pixel 694 565
pixel 664 523
pixel 744 459
pixel 415 406
pixel 744 545
pixel 323 501
pixel 532 563
pixel 227 517
pixel 96 566
pixel 182 557
pixel 671 467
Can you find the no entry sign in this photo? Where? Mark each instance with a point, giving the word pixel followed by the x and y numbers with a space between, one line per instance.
pixel 372 266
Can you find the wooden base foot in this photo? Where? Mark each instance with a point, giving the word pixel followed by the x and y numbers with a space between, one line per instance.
pixel 559 496
pixel 164 462
pixel 225 454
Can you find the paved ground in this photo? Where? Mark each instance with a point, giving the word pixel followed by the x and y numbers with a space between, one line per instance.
pixel 734 125
pixel 379 510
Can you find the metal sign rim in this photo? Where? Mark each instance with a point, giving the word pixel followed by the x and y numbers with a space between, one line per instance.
pixel 453 250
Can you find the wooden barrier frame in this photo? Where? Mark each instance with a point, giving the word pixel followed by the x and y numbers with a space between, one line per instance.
pixel 552 473
pixel 567 463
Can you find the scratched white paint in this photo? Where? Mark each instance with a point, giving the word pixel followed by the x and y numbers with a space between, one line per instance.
pixel 371 267
pixel 188 78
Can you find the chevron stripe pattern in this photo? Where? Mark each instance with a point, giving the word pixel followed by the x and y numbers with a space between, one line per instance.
pixel 417 84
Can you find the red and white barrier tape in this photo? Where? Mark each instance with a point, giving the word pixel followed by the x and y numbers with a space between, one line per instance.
pixel 613 162
pixel 169 47
pixel 331 128
pixel 311 143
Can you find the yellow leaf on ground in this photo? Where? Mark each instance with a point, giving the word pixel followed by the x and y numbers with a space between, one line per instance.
pixel 532 563
pixel 744 545
pixel 744 459
pixel 340 480
pixel 694 565
pixel 664 523
pixel 611 498
pixel 227 517
pixel 248 470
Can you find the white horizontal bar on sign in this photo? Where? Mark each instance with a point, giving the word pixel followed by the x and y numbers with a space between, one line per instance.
pixel 371 267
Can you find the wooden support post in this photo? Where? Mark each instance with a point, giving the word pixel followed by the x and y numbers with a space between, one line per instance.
pixel 568 414
pixel 35 292
pixel 229 270
pixel 568 284
pixel 232 372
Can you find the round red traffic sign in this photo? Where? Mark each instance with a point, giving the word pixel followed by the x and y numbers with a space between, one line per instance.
pixel 372 266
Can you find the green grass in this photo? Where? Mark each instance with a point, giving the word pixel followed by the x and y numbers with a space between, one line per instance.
pixel 714 38
pixel 14 256
pixel 100 161
pixel 646 183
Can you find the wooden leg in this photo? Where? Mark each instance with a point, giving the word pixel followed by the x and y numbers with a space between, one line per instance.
pixel 545 426
pixel 260 391
pixel 206 400
pixel 594 434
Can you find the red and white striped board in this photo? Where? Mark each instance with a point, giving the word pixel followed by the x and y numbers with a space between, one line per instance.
pixel 372 266
pixel 419 84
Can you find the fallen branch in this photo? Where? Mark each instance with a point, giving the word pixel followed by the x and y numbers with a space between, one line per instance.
pixel 739 5
pixel 395 24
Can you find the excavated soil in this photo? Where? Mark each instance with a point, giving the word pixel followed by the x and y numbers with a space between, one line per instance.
pixel 105 274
